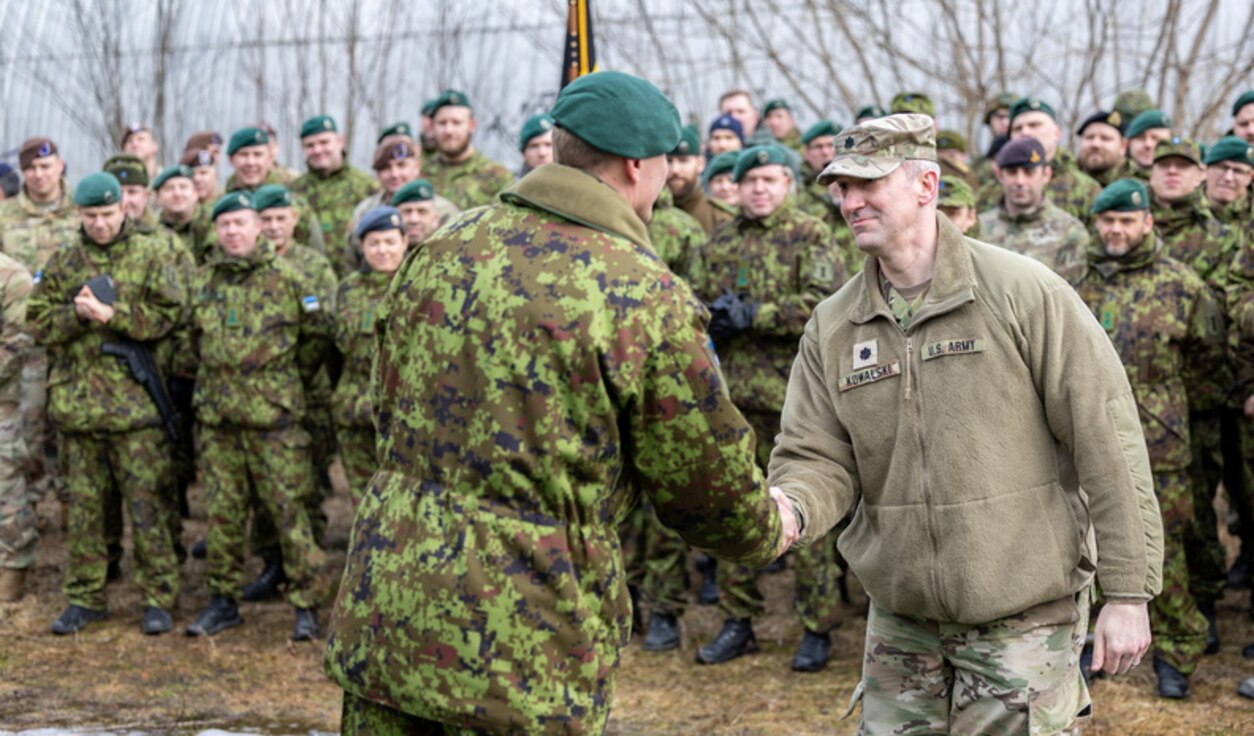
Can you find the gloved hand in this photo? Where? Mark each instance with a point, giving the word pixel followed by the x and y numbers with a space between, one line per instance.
pixel 730 315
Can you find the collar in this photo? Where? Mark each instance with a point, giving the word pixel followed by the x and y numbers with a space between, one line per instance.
pixel 579 197
pixel 1139 257
pixel 953 281
pixel 262 254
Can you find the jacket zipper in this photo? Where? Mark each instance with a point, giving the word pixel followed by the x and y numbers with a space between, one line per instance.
pixel 937 584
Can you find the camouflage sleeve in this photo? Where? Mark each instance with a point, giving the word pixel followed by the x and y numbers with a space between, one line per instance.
pixel 163 305
pixel 14 341
pixel 51 318
pixel 1240 298
pixel 328 285
pixel 308 228
pixel 314 339
pixel 1075 261
pixel 818 272
pixel 187 358
pixel 1205 348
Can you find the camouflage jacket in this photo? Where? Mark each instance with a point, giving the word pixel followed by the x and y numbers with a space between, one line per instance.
pixel 260 334
pixel 786 263
pixel 195 233
pixel 15 341
pixel 1193 236
pixel 471 183
pixel 30 234
pixel 1046 234
pixel 351 255
pixel 89 391
pixel 699 206
pixel 321 281
pixel 961 170
pixel 308 228
pixel 791 140
pixel 332 197
pixel 1071 189
pixel 356 307
pixel 175 251
pixel 1167 327
pixel 676 236
pixel 1125 169
pixel 1240 304
pixel 1237 216
pixel 538 367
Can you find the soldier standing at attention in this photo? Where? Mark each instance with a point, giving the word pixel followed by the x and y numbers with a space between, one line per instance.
pixel 1070 189
pixel 954 397
pixel 419 207
pixel 459 171
pixel 1229 173
pixel 131 174
pixel 331 186
pixel 115 288
pixel 18 531
pixel 535 142
pixel 531 355
pixel 1145 132
pixel 1103 149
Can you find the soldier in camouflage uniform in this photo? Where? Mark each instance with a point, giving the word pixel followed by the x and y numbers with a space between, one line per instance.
pixel 18 532
pixel 251 153
pixel 110 428
pixel 419 206
pixel 997 119
pixel 459 171
pixel 331 186
pixel 535 143
pixel 1025 221
pixel 484 585
pixel 1167 327
pixel 260 334
pixel 951 154
pixel 717 183
pixel 685 167
pixel 816 200
pixel 1240 300
pixel 1145 132
pixel 133 176
pixel 777 117
pixel 956 200
pixel 762 274
pixel 1103 148
pixel 1229 173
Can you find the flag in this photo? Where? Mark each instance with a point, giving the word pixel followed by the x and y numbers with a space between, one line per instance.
pixel 580 56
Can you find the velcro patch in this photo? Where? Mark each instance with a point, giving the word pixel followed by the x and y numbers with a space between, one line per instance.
pixel 870 375
pixel 311 303
pixel 953 347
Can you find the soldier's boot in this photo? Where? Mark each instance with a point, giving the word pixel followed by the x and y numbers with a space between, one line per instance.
pixel 114 571
pixel 306 628
pixel 707 594
pixel 266 586
pixel 1172 683
pixel 663 633
pixel 1207 608
pixel 75 618
pixel 1248 652
pixel 221 614
pixel 735 640
pixel 813 653
pixel 200 550
pixel 1239 573
pixel 1246 688
pixel 12 585
pixel 155 621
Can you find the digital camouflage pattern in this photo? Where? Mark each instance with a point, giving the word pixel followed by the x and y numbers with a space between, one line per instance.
pixel 357 308
pixel 18 533
pixel 1192 235
pixel 1125 169
pixel 485 584
pixel 1045 233
pixel 1072 189
pixel 333 197
pixel 677 237
pixel 698 205
pixel 471 183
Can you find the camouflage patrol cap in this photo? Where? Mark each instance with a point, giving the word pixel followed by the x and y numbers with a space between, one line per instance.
pixel 318 124
pixel 535 125
pixel 98 190
pixel 128 168
pixel 776 104
pixel 1178 146
pixel 172 172
pixel 1002 101
pixel 131 130
pixel 418 190
pixel 1114 119
pixel 1133 102
pixel 618 114
pixel 755 156
pixel 720 164
pixel 401 128
pixel 1021 153
pixel 393 148
pixel 380 218
pixel 1124 195
pixel 231 202
pixel 878 147
pixel 689 142
pixel 1148 120
pixel 821 128
pixel 1230 148
pixel 870 111
pixel 197 158
pixel 35 148
pixel 950 140
pixel 954 192
pixel 449 98
pixel 246 138
pixel 1246 98
pixel 271 196
pixel 915 102
pixel 1031 104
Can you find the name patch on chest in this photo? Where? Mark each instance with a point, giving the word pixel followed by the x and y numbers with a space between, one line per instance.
pixel 870 375
pixel 953 347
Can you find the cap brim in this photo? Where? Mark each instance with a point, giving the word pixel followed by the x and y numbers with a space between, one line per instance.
pixel 859 167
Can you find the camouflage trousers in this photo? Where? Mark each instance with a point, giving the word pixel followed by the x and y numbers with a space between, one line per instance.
pixel 358 458
pixel 264 537
pixel 361 717
pixel 1208 431
pixel 236 462
pixel 136 465
pixel 665 584
pixel 1019 674
pixel 18 532
pixel 36 431
pixel 1179 629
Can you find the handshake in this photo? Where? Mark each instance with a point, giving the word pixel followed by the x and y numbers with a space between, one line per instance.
pixel 730 315
pixel 789 521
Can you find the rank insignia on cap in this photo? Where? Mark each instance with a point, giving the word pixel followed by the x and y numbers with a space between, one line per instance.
pixel 396 221
pixel 849 142
pixel 866 354
pixel 1136 199
pixel 45 149
pixel 1035 104
pixel 204 158
pixel 310 303
pixel 1035 157
pixel 1114 118
pixel 764 156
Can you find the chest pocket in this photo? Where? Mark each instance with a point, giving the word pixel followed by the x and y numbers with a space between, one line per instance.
pixel 245 329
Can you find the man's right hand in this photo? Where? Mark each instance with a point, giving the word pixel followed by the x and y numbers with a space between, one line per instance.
pixel 788 520
pixel 1121 637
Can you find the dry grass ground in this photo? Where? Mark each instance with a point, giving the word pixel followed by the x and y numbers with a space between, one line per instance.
pixel 252 677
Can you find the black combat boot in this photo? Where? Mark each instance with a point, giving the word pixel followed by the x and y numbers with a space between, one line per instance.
pixel 735 640
pixel 75 618
pixel 266 586
pixel 707 594
pixel 813 653
pixel 1212 626
pixel 306 627
pixel 1172 683
pixel 1239 573
pixel 156 621
pixel 221 615
pixel 663 633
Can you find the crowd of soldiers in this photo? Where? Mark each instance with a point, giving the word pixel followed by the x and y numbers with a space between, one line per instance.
pixel 160 327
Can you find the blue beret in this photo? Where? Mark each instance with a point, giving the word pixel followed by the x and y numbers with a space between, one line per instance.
pixel 380 218
pixel 1021 153
pixel 97 190
pixel 618 114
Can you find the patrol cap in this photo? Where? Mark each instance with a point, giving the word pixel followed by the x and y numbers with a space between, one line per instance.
pixel 618 114
pixel 418 190
pixel 392 148
pixel 1123 195
pixel 954 192
pixel 1246 98
pixel 950 140
pixel 131 130
pixel 245 138
pixel 755 156
pixel 1132 102
pixel 535 125
pixel 401 128
pixel 35 148
pixel 915 102
pixel 1031 104
pixel 821 128
pixel 172 172
pixel 1178 146
pixel 720 164
pixel 270 196
pixel 202 139
pixel 97 190
pixel 128 168
pixel 231 202
pixel 448 98
pixel 1002 101
pixel 876 148
pixel 728 122
pixel 380 218
pixel 201 157
pixel 1021 153
pixel 871 111
pixel 318 124
pixel 778 103
pixel 1147 120
pixel 1114 119
pixel 1230 148
pixel 689 142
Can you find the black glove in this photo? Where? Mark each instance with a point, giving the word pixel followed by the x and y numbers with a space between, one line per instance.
pixel 730 315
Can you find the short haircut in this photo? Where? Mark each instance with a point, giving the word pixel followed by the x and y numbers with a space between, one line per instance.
pixel 573 151
pixel 736 93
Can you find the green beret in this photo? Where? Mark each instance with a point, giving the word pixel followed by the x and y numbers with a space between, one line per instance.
pixel 1002 101
pixel 246 137
pixel 396 129
pixel 428 108
pixel 231 202
pixel 720 164
pixel 270 196
pixel 752 158
pixel 1246 98
pixel 822 127
pixel 1132 102
pixel 618 114
pixel 915 102
pixel 318 124
pixel 1230 148
pixel 1178 146
pixel 1124 195
pixel 172 172
pixel 950 140
pixel 380 218
pixel 535 125
pixel 97 190
pixel 448 98
pixel 1147 120
pixel 954 192
pixel 776 104
pixel 129 169
pixel 689 142
pixel 871 111
pixel 1031 104
pixel 418 190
